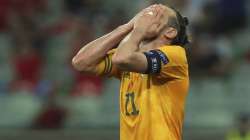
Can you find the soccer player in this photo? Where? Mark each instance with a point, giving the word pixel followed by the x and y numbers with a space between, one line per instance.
pixel 148 56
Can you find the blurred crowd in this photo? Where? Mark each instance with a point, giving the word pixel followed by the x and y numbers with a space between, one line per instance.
pixel 38 38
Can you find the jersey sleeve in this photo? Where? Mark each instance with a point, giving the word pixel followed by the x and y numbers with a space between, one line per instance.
pixel 173 62
pixel 106 68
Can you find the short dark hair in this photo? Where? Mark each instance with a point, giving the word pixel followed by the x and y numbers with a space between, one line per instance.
pixel 180 23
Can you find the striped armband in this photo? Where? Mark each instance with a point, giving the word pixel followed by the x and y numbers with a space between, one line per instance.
pixel 108 65
pixel 155 59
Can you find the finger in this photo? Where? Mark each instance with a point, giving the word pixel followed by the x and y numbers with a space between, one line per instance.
pixel 160 27
pixel 152 13
pixel 161 5
pixel 149 8
pixel 157 16
pixel 162 14
pixel 141 13
pixel 152 8
pixel 158 8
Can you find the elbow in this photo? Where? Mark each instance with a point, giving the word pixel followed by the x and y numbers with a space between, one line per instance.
pixel 76 63
pixel 80 64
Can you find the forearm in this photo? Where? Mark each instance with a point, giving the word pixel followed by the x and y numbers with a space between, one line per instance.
pixel 92 53
pixel 129 44
pixel 127 55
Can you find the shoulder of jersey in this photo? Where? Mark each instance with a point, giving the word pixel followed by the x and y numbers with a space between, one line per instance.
pixel 171 47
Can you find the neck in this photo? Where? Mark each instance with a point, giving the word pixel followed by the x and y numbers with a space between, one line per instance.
pixel 154 44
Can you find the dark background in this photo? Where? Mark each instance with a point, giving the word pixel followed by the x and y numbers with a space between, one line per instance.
pixel 42 97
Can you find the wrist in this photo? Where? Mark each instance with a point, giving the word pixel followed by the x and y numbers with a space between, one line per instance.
pixel 125 28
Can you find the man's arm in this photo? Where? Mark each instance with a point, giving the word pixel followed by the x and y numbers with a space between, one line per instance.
pixel 127 57
pixel 92 53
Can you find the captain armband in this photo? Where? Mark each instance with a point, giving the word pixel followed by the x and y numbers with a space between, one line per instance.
pixel 155 59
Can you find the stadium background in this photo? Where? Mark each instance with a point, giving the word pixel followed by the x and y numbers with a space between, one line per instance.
pixel 42 97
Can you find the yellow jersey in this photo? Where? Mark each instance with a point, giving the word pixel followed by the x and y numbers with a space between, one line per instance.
pixel 152 105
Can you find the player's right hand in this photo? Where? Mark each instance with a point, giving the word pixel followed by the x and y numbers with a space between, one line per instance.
pixel 150 21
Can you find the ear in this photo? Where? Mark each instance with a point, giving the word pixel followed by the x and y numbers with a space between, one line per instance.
pixel 170 33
